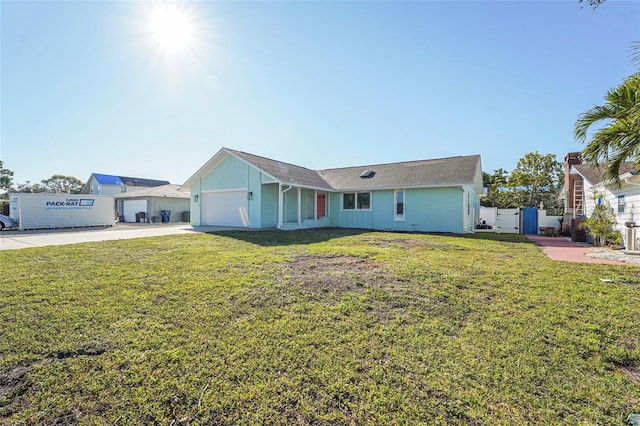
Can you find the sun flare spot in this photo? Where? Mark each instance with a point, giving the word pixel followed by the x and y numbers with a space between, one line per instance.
pixel 171 28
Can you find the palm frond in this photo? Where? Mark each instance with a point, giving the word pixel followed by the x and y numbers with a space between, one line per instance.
pixel 634 54
pixel 619 137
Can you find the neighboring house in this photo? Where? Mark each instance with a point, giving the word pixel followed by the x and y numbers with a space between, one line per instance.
pixel 101 184
pixel 581 180
pixel 151 202
pixel 238 189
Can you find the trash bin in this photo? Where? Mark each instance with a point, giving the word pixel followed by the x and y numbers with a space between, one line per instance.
pixel 141 217
pixel 137 217
pixel 578 233
pixel 186 217
pixel 631 236
pixel 166 215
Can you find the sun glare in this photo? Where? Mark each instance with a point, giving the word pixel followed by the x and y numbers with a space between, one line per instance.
pixel 171 28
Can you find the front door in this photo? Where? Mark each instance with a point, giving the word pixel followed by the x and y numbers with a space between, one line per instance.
pixel 321 210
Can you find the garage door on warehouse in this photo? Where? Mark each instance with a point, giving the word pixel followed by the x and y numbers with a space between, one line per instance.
pixel 225 208
pixel 131 207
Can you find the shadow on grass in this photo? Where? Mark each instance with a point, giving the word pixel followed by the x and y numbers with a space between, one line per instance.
pixel 274 237
pixel 509 238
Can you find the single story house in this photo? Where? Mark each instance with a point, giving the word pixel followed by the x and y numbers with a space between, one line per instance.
pixel 151 202
pixel 581 181
pixel 239 189
pixel 101 184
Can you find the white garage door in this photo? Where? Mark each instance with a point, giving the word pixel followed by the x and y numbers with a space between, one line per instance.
pixel 131 207
pixel 228 208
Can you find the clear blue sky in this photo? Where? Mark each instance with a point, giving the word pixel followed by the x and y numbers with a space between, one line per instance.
pixel 318 84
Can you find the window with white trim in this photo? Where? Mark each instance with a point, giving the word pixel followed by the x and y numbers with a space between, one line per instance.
pixel 399 205
pixel 620 203
pixel 356 201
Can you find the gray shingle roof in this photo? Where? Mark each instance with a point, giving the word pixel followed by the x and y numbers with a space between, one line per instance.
pixel 436 172
pixel 134 181
pixel 284 172
pixel 594 175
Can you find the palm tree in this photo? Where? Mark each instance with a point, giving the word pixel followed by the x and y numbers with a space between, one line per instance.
pixel 619 139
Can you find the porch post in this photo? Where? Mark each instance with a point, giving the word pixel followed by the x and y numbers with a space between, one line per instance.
pixel 315 205
pixel 280 202
pixel 299 206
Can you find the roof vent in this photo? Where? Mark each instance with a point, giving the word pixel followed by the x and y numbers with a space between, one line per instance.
pixel 367 174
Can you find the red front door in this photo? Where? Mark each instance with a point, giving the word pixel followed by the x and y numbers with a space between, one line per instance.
pixel 321 205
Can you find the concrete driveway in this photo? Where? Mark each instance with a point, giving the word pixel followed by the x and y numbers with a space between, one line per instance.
pixel 11 240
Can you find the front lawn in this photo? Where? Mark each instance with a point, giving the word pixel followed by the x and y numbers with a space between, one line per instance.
pixel 315 327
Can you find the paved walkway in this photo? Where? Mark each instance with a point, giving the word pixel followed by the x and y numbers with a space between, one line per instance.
pixel 11 240
pixel 558 248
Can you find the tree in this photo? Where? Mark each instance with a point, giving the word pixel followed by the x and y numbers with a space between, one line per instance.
pixel 62 184
pixel 496 185
pixel 6 180
pixel 28 188
pixel 593 3
pixel 619 139
pixel 600 224
pixel 536 180
pixel 634 53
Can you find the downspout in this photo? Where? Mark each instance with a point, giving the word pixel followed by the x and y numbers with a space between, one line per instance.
pixel 281 204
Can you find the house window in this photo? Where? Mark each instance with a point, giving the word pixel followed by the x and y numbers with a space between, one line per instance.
pixel 356 201
pixel 364 200
pixel 620 203
pixel 349 201
pixel 399 205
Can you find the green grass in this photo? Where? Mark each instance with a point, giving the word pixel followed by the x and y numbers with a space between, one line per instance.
pixel 315 327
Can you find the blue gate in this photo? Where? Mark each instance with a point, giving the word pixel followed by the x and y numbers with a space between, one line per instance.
pixel 530 221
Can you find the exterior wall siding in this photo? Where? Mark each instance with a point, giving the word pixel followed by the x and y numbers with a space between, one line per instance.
pixel 254 197
pixel 290 206
pixel 231 173
pixel 107 189
pixel 195 205
pixel 308 204
pixel 426 210
pixel 433 210
pixel 269 205
pixel 631 205
pixel 176 205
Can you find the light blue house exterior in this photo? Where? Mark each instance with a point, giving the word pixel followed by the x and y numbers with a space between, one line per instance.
pixel 238 189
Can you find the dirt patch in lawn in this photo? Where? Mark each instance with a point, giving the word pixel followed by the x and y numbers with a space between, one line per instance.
pixel 631 372
pixel 15 383
pixel 412 243
pixel 335 274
